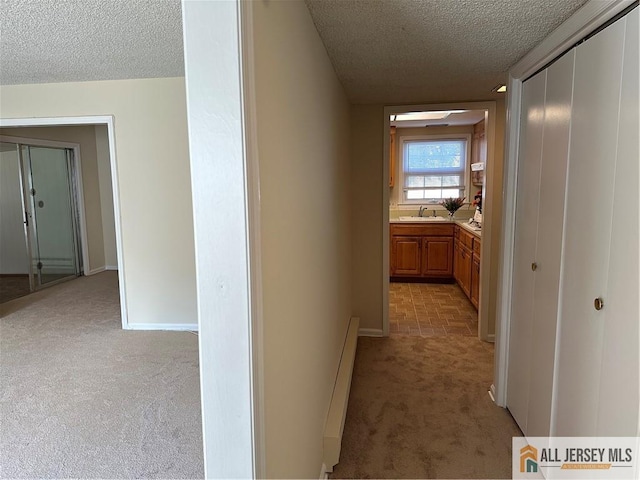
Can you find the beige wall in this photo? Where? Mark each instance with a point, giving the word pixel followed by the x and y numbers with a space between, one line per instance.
pixel 367 134
pixel 85 136
pixel 153 179
pixel 106 197
pixel 305 217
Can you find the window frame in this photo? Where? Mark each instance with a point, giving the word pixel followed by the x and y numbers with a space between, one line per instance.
pixel 400 188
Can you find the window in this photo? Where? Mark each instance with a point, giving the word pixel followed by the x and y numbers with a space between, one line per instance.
pixel 432 169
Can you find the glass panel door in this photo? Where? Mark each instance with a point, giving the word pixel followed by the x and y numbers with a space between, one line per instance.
pixel 51 207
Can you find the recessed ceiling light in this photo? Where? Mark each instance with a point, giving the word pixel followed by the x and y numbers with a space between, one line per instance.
pixel 404 117
pixel 500 89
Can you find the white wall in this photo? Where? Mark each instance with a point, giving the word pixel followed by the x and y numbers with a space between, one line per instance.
pixel 306 228
pixel 153 179
pixel 13 246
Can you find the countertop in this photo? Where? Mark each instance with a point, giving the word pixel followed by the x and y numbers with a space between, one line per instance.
pixel 462 223
pixel 473 230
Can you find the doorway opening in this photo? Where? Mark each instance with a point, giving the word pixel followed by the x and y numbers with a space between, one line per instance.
pixel 61 218
pixel 434 153
pixel 40 205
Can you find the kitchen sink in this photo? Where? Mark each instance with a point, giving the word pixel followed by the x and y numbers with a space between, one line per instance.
pixel 423 219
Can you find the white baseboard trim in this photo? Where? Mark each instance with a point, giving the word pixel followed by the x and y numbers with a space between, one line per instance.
pixel 491 338
pixel 370 332
pixel 111 267
pixel 492 392
pixel 94 271
pixel 324 473
pixel 179 327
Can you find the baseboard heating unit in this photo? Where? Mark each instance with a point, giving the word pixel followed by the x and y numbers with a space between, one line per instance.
pixel 338 410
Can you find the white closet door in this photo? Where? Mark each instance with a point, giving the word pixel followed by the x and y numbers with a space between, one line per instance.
pixel 618 405
pixel 596 98
pixel 529 161
pixel 553 177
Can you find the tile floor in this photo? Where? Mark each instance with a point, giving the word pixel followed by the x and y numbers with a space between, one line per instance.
pixel 430 310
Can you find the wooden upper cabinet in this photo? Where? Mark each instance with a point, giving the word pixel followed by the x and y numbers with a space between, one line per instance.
pixel 478 152
pixel 392 157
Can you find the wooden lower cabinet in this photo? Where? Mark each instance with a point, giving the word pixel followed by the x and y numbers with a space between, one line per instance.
pixel 421 251
pixel 437 256
pixel 466 264
pixel 405 256
pixel 475 281
pixel 464 269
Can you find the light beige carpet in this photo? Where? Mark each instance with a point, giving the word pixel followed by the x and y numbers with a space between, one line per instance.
pixel 81 398
pixel 419 408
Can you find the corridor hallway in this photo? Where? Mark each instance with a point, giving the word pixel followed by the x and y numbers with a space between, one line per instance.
pixel 419 408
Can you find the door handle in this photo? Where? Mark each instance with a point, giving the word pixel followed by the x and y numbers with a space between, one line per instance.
pixel 598 304
pixel 534 266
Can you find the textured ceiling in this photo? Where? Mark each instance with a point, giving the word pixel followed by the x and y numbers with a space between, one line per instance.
pixel 384 51
pixel 45 41
pixel 406 51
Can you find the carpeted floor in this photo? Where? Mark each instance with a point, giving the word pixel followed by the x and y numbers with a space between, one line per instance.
pixel 419 408
pixel 81 398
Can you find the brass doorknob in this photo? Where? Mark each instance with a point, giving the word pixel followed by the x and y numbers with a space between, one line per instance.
pixel 598 303
pixel 534 266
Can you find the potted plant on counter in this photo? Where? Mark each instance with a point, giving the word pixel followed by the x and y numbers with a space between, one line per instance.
pixel 452 205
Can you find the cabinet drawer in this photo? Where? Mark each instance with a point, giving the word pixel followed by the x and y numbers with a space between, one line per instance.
pixel 426 230
pixel 466 239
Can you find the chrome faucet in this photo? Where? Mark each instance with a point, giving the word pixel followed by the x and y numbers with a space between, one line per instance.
pixel 421 211
pixel 434 212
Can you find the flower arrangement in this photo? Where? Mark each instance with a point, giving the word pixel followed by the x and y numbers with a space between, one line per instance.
pixel 477 201
pixel 452 205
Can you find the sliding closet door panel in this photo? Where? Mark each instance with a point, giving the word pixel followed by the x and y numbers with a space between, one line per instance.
pixel 618 406
pixel 529 160
pixel 553 177
pixel 53 224
pixel 596 98
pixel 14 257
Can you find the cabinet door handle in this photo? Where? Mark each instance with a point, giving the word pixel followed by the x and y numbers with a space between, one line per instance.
pixel 598 304
pixel 534 266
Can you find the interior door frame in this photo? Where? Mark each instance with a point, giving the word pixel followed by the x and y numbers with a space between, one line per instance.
pixel 584 21
pixel 221 112
pixel 103 120
pixel 79 192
